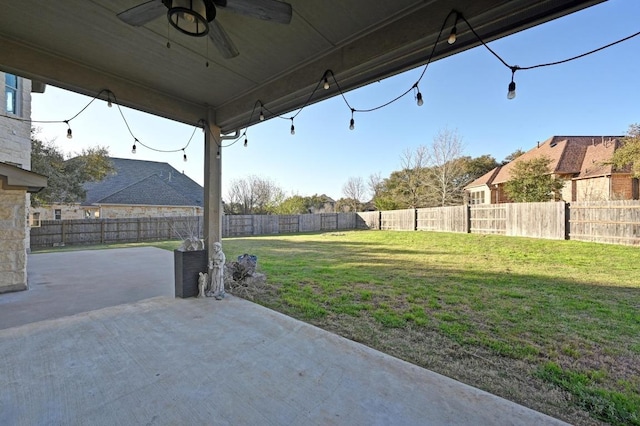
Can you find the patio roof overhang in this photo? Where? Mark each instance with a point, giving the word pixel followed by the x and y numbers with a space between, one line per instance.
pixel 15 178
pixel 81 45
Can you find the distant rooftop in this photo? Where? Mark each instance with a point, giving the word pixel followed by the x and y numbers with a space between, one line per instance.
pixel 139 182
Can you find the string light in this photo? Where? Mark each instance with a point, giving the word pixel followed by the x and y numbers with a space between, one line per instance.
pixel 218 155
pixel 454 32
pixel 512 86
pixel 69 132
pixel 184 157
pixel 246 141
pixel 511 94
pixel 419 100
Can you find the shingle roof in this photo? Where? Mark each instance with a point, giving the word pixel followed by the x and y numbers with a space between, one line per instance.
pixel 485 179
pixel 583 156
pixel 137 182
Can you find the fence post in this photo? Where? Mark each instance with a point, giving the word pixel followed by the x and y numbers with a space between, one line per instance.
pixel 567 221
pixel 415 219
pixel 101 231
pixel 379 220
pixel 467 212
pixel 64 233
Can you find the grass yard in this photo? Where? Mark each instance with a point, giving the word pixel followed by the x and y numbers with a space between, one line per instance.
pixel 552 325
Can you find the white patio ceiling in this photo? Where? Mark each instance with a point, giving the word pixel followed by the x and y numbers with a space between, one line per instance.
pixel 81 45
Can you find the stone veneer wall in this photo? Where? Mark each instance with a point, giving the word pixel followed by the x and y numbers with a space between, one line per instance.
pixel 15 148
pixel 75 211
pixel 13 241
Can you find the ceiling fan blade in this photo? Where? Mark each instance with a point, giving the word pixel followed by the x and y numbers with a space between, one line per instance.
pixel 143 13
pixel 267 10
pixel 222 40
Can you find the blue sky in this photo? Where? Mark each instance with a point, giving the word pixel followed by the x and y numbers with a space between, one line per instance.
pixel 595 95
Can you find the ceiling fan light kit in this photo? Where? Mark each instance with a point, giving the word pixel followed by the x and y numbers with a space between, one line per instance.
pixel 190 17
pixel 196 18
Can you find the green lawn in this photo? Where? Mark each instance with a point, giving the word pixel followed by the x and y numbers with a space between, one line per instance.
pixel 552 325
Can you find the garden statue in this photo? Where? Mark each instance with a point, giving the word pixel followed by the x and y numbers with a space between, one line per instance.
pixel 216 272
pixel 203 280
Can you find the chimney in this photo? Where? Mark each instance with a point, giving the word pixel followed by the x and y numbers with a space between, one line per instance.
pixel 538 144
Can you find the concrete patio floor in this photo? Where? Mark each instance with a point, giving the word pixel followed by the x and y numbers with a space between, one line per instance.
pixel 167 361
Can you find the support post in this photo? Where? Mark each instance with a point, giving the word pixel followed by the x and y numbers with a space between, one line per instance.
pixel 212 183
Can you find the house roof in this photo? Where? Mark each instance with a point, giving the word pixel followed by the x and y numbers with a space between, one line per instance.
pixel 579 156
pixel 137 182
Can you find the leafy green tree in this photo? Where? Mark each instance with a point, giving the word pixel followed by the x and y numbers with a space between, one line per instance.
pixel 629 152
pixel 515 154
pixel 295 204
pixel 66 176
pixel 531 181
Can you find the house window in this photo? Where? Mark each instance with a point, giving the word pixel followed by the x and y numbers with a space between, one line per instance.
pixel 11 93
pixel 34 221
pixel 476 197
pixel 57 214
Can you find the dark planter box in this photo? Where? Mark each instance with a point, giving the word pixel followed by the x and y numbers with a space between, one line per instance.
pixel 187 266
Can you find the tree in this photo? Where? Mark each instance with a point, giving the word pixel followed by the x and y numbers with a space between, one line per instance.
pixel 446 170
pixel 253 195
pixel 476 167
pixel 629 153
pixel 295 204
pixel 354 191
pixel 515 154
pixel 65 177
pixel 531 181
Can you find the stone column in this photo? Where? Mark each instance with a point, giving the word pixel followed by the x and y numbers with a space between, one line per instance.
pixel 13 235
pixel 212 183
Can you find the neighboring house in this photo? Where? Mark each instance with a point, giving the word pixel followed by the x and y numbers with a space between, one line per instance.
pixel 328 205
pixel 16 181
pixel 578 160
pixel 136 188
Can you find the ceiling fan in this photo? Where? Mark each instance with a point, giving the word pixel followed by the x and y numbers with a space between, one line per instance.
pixel 196 18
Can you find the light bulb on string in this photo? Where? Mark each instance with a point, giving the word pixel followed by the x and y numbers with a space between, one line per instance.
pixel 133 148
pixel 218 155
pixel 69 132
pixel 352 123
pixel 512 86
pixel 184 156
pixel 453 35
pixel 246 141
pixel 293 128
pixel 109 104
pixel 261 114
pixel 326 83
pixel 419 100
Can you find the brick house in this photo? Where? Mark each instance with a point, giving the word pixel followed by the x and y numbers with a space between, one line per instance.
pixel 580 161
pixel 137 188
pixel 16 181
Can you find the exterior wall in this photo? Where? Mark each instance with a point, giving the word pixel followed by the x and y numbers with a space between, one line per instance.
pixel 117 212
pixel 15 149
pixel 13 241
pixel 75 211
pixel 15 136
pixel 595 189
pixel 622 188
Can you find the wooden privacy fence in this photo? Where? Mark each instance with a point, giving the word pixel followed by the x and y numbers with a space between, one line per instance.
pixel 104 231
pixel 615 222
